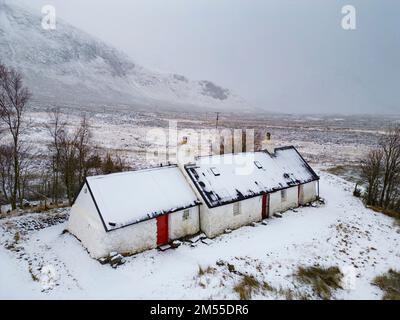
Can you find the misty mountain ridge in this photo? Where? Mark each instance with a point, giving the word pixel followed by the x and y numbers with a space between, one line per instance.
pixel 69 66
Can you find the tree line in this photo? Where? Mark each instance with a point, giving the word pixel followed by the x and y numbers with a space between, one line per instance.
pixel 56 175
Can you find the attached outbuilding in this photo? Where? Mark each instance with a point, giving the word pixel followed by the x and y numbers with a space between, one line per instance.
pixel 133 211
pixel 241 188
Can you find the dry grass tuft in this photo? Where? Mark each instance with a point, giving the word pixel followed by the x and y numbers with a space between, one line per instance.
pixel 390 284
pixel 322 280
pixel 246 287
pixel 34 277
pixel 17 237
pixel 390 213
pixel 208 270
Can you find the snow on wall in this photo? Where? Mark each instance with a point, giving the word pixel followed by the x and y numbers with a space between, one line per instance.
pixel 130 197
pixel 221 179
pixel 178 227
pixel 214 221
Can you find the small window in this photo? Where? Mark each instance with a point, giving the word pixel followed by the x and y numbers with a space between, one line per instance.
pixel 185 215
pixel 236 208
pixel 283 195
pixel 258 164
pixel 84 190
pixel 215 172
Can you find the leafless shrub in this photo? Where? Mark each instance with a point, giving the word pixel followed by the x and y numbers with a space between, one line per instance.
pixel 112 164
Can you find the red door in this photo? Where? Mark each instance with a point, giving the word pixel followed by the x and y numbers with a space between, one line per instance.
pixel 265 206
pixel 162 230
pixel 298 196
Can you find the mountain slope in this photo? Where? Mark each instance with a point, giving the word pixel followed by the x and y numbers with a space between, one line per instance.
pixel 69 66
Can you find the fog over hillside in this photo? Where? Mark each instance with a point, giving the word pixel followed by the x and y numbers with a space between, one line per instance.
pixel 67 65
pixel 281 55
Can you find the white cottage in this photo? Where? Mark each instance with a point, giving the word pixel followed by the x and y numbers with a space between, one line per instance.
pixel 238 189
pixel 133 211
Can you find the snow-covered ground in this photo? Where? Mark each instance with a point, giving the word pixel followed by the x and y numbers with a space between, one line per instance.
pixel 48 264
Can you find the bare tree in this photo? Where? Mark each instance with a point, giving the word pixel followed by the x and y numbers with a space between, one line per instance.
pixel 56 128
pixel 26 175
pixel 68 162
pixel 82 138
pixel 14 97
pixel 371 169
pixel 390 145
pixel 73 156
pixel 381 170
pixel 6 171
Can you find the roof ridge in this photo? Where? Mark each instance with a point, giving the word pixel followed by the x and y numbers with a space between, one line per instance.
pixel 134 171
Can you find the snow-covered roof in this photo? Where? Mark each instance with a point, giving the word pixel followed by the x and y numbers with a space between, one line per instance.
pixel 226 178
pixel 129 197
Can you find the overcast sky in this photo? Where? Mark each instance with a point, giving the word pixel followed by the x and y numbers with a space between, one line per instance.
pixel 281 55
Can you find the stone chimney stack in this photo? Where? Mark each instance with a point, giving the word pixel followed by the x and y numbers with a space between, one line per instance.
pixel 268 143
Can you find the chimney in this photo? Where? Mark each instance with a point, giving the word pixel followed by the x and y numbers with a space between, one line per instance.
pixel 268 143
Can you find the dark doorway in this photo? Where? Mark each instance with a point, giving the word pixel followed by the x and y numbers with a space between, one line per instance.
pixel 265 206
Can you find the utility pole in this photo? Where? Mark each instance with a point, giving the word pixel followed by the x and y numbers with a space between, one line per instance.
pixel 216 124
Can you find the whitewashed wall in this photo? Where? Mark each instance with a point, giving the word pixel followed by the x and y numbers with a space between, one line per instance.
pixel 292 199
pixel 215 221
pixel 277 204
pixel 178 228
pixel 274 202
pixel 85 224
pixel 132 239
pixel 308 192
